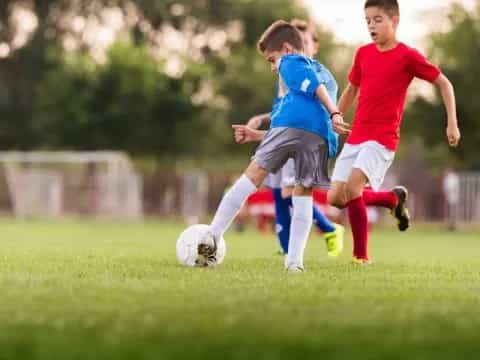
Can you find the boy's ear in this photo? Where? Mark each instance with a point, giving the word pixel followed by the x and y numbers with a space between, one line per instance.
pixel 287 48
pixel 396 20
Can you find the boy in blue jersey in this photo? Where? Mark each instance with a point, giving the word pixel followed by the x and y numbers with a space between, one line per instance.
pixel 300 130
pixel 283 181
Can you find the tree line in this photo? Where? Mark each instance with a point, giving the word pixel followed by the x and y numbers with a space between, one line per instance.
pixel 167 78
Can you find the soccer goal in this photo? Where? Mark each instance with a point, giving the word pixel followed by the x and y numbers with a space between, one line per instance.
pixel 54 184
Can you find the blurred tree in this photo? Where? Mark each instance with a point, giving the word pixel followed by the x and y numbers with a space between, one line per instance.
pixel 457 52
pixel 128 103
pixel 22 61
pixel 152 77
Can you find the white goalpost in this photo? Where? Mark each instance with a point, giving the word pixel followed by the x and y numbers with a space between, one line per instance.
pixel 53 184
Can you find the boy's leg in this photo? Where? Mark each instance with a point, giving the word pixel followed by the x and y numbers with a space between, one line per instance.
pixel 395 200
pixel 311 170
pixel 322 222
pixel 339 197
pixel 333 232
pixel 337 194
pixel 370 165
pixel 319 219
pixel 288 183
pixel 235 197
pixel 374 160
pixel 282 210
pixel 357 213
pixel 300 227
pixel 282 218
pixel 386 199
pixel 270 156
pixel 283 203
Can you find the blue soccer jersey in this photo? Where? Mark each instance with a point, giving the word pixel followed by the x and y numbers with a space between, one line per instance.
pixel 297 105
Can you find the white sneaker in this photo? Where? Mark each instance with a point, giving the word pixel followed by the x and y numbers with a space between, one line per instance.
pixel 295 269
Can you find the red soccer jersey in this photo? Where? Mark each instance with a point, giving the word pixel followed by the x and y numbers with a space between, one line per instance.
pixel 383 78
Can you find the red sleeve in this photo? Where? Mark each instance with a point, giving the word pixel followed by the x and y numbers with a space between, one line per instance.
pixel 422 68
pixel 355 72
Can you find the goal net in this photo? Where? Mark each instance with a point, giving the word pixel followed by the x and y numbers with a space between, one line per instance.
pixel 53 184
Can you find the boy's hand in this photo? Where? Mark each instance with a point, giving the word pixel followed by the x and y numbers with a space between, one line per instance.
pixel 453 135
pixel 244 134
pixel 339 125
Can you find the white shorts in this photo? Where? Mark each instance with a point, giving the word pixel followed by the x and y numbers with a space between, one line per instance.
pixel 372 158
pixel 285 177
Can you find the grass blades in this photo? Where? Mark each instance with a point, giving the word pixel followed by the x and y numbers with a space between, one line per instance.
pixel 85 290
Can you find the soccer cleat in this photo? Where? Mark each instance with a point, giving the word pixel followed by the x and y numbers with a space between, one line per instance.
pixel 400 212
pixel 295 269
pixel 207 251
pixel 359 261
pixel 334 241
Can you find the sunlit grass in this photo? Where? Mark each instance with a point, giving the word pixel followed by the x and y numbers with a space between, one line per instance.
pixel 82 290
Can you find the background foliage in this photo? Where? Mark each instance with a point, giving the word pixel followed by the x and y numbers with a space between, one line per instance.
pixel 167 78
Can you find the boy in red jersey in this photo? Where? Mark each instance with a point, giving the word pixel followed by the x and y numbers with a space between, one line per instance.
pixel 380 75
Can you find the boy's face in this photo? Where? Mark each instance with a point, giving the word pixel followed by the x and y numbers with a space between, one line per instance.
pixel 381 26
pixel 273 57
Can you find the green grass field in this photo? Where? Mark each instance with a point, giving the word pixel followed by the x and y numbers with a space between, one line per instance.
pixel 83 290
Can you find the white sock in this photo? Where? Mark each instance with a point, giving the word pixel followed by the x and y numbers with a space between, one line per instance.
pixel 299 229
pixel 231 204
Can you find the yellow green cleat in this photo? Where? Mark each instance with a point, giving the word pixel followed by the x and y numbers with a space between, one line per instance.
pixel 358 261
pixel 334 241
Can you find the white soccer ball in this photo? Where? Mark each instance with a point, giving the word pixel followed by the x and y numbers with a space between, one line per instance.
pixel 187 248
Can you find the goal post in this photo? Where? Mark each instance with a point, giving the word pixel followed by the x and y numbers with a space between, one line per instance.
pixel 90 183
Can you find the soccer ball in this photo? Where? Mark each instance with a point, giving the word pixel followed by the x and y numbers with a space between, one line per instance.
pixel 188 244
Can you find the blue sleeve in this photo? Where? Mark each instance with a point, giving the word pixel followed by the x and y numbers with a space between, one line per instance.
pixel 299 75
pixel 323 77
pixel 322 72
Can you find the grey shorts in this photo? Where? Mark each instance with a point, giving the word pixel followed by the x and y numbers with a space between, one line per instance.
pixel 309 152
pixel 285 177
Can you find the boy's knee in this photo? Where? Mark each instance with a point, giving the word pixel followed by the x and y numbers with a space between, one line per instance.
pixel 299 190
pixel 256 173
pixel 352 192
pixel 337 199
pixel 355 184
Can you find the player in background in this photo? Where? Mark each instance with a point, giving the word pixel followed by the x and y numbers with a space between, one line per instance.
pixel 380 75
pixel 283 181
pixel 300 128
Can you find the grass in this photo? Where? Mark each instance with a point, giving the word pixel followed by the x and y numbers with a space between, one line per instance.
pixel 84 290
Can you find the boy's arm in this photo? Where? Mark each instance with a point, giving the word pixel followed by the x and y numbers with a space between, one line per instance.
pixel 258 120
pixel 448 96
pixel 338 124
pixel 348 97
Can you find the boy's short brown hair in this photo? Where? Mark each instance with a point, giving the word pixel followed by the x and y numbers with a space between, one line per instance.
pixel 277 34
pixel 389 6
pixel 305 26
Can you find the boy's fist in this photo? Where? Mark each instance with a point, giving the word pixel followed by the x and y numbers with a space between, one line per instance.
pixel 453 135
pixel 340 126
pixel 244 134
